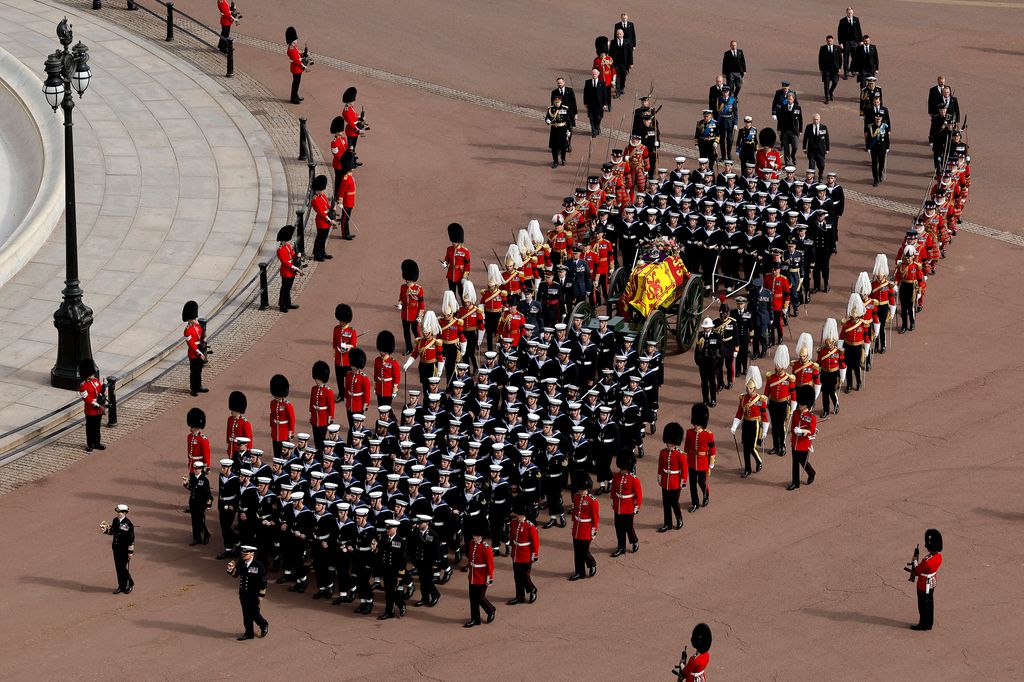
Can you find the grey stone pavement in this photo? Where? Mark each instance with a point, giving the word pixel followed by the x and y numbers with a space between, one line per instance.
pixel 179 194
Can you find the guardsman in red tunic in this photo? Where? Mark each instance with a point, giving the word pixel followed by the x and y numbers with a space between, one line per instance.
pixel 627 495
pixel 481 574
pixel 525 542
pixel 411 302
pixel 511 324
pixel 853 335
pixel 321 403
pixel 282 413
pixel 805 371
pixel 353 121
pixel 671 475
pixel 871 319
pixel 295 64
pixel 924 572
pixel 909 278
pixel 457 262
pixel 832 364
pixel 238 425
pixel 427 349
pixel 197 445
pixel 513 275
pixel 781 391
pixel 605 263
pixel 639 162
pixel 694 669
pixel 884 294
pixel 780 289
pixel 528 253
pixel 357 386
pixel 768 159
pixel 472 317
pixel 226 20
pixel 320 205
pixel 493 300
pixel 804 429
pixel 193 345
pixel 91 392
pixel 348 202
pixel 700 449
pixel 343 340
pixel 560 240
pixel 606 66
pixel 339 155
pixel 387 373
pixel 452 336
pixel 289 267
pixel 752 414
pixel 586 517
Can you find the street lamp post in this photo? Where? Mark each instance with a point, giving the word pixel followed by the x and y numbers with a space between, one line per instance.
pixel 67 71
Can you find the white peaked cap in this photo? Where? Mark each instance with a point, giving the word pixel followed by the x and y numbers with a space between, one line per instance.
pixel 468 291
pixel 830 330
pixel 782 356
pixel 881 266
pixel 430 324
pixel 754 375
pixel 493 275
pixel 855 308
pixel 513 255
pixel 863 284
pixel 535 234
pixel 805 341
pixel 449 304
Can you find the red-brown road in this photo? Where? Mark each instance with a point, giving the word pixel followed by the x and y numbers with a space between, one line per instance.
pixel 796 585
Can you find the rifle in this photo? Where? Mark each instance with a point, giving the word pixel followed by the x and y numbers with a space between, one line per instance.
pixel 361 121
pixel 913 563
pixel 307 60
pixel 235 14
pixel 678 670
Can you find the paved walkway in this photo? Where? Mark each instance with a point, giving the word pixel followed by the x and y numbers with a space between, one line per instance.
pixel 178 189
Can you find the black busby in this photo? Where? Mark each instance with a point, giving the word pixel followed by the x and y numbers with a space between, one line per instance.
pixel 349 95
pixel 237 402
pixel 673 434
pixel 343 312
pixel 321 371
pixel 286 233
pixel 519 506
pixel 348 163
pixel 196 418
pixel 456 234
pixel 933 540
pixel 290 35
pixel 320 183
pixel 626 461
pixel 699 415
pixel 601 44
pixel 386 342
pixel 357 358
pixel 701 638
pixel 410 270
pixel 189 311
pixel 279 386
pixel 87 368
pixel 580 481
pixel 337 125
pixel 767 137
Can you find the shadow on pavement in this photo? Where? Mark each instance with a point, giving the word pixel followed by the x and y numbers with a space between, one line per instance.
pixel 854 617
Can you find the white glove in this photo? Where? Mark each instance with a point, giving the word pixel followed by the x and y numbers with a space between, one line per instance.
pixel 841 344
pixel 799 431
pixel 892 309
pixel 774 117
pixel 842 375
pixel 735 425
pixel 398 305
pixel 408 363
pixel 345 347
pixel 462 347
pixel 817 391
pixel 926 278
pixel 479 337
pixel 657 144
pixel 792 405
pixel 875 327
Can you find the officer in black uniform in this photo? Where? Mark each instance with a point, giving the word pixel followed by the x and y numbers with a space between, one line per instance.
pixel 227 502
pixel 550 296
pixel 424 552
pixel 706 137
pixel 708 353
pixel 252 588
pixel 199 500
pixel 824 236
pixel 391 563
pixel 726 328
pixel 123 546
pixel 793 266
pixel 557 118
pixel 744 332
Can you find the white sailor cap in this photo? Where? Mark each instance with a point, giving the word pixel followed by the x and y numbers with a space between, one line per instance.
pixel 392 523
pixel 333 428
pixel 302 435
pixel 242 439
pixel 227 462
pixel 247 549
pixel 362 511
pixel 121 507
pixel 298 495
pixel 246 472
pixel 263 480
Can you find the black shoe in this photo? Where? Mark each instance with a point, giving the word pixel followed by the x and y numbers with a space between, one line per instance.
pixel 635 547
pixel 707 501
pixel 592 571
pixel 759 467
pixel 338 601
pixel 283 310
pixel 782 452
pixel 401 608
pixel 664 529
pixel 772 451
pixel 491 615
pixel 99 446
pixel 206 538
pixel 88 448
pixel 576 576
pixel 619 552
pixel 561 524
pixel 514 601
pixel 846 389
pixel 471 623
pixel 320 594
pixel 421 602
pixel 694 508
pixel 280 581
pixel 242 637
pixel 131 586
pixel 554 164
pixel 793 486
pixel 550 524
pixel 433 602
pixel 118 591
pixel 810 479
pixel 349 237
pixel 193 543
pixel 264 630
pixel 318 259
pixel 294 101
pixel 679 524
pixel 919 628
pixel 744 474
pixel 827 288
pixel 385 616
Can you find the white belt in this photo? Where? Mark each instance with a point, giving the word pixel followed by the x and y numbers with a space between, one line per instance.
pixel 625 496
pixel 479 565
pixel 319 408
pixel 228 499
pixel 673 471
pixel 280 421
pixel 522 544
pixel 607 440
pixel 321 537
pixel 438 525
pixel 476 513
pixel 583 520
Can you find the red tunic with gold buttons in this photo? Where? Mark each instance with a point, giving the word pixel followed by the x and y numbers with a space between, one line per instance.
pixel 348 191
pixel 513 282
pixel 452 331
pixel 458 260
pixel 342 335
pixel 481 563
pixel 238 427
pixel 90 390
pixel 926 571
pixel 387 375
pixel 909 271
pixel 882 291
pixel 560 241
pixel 805 373
pixel 193 335
pixel 197 446
pixel 831 359
pixel 339 146
pixel 357 391
pixel 780 293
pixel 294 59
pixel 525 541
pixel 671 469
pixel 606 65
pixel 804 420
pixel 427 350
pixel 321 205
pixel 604 251
pixel 586 516
pixel 494 300
pixel 511 326
pixel 472 318
pixel 351 117
pixel 699 446
pixel 224 7
pixel 780 387
pixel 626 492
pixel 321 405
pixel 753 408
pixel 282 419
pixel 286 255
pixel 854 331
pixel 412 298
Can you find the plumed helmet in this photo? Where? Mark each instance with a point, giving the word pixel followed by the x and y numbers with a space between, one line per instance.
pixel 385 341
pixel 189 311
pixel 830 330
pixel 699 415
pixel 754 379
pixel 337 125
pixel 290 35
pixel 513 257
pixel 196 418
pixel 909 251
pixel 701 638
pixel 533 228
pixel 430 324
pixel 322 371
pixel 237 402
pixel 863 285
pixel 449 304
pixel 469 292
pixel 410 270
pixel 320 183
pixel 881 266
pixel 285 233
pixel 349 95
pixel 767 137
pixel 525 244
pixel 279 386
pixel 855 307
pixel 601 44
pixel 86 368
pixel 357 358
pixel 625 460
pixel 456 234
pixel 343 312
pixel 804 344
pixel 933 540
pixel 493 275
pixel 673 433
pixel 782 356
